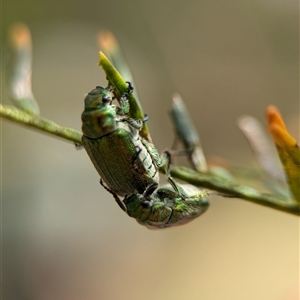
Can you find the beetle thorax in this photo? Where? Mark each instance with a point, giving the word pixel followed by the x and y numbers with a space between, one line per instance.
pixel 99 122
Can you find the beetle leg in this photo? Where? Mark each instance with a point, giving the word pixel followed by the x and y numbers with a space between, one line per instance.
pixel 149 191
pixel 124 109
pixel 146 118
pixel 173 183
pixel 135 123
pixel 124 99
pixel 118 200
pixel 175 142
pixel 176 188
pixel 129 88
pixel 158 161
pixel 166 159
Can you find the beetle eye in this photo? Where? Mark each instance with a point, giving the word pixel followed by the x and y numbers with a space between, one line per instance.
pixel 106 99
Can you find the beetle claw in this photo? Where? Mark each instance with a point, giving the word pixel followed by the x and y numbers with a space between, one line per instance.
pixel 130 87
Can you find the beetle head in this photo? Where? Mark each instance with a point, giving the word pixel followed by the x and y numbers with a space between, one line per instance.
pixel 99 115
pixel 96 98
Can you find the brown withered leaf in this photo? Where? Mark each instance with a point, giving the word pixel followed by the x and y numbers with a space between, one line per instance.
pixel 287 148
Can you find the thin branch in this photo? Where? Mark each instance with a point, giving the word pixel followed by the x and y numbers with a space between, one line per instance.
pixel 19 116
pixel 235 190
pixel 205 180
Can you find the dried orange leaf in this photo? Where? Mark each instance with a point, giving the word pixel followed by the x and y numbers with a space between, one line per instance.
pixel 287 148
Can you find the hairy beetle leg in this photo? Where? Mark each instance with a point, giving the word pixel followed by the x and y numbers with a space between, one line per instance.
pixel 173 183
pixel 128 91
pixel 118 200
pixel 124 99
pixel 135 123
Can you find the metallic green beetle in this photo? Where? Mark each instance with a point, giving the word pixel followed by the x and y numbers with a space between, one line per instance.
pixel 171 205
pixel 127 163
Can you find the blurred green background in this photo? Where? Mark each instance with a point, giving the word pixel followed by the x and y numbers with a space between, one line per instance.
pixel 63 235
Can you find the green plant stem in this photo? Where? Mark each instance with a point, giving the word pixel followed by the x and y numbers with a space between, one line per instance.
pixel 205 180
pixel 116 80
pixel 19 116
pixel 235 190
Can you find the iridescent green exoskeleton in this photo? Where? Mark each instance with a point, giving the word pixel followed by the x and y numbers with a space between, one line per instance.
pixel 171 205
pixel 127 163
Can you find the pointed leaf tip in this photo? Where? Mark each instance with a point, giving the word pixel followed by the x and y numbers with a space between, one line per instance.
pixel 287 148
pixel 277 129
pixel 19 36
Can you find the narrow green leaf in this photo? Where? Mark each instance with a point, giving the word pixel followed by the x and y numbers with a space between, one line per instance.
pixel 187 133
pixel 19 116
pixel 116 80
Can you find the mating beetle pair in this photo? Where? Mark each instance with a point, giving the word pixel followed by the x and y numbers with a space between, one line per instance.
pixel 128 164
